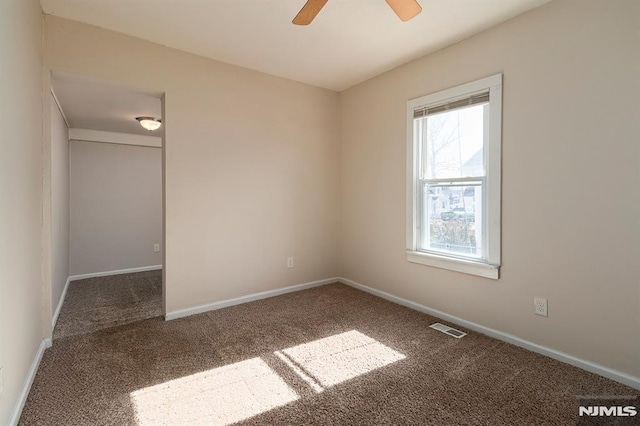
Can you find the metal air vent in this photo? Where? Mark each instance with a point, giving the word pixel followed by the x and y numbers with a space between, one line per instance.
pixel 448 330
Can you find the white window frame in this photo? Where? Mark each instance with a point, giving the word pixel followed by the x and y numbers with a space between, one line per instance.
pixel 489 267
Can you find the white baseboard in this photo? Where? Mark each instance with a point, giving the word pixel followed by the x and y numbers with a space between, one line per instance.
pixel 245 299
pixel 116 272
pixel 44 344
pixel 592 367
pixel 59 307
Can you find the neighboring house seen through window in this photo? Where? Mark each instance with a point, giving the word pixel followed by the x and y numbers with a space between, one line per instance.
pixel 453 178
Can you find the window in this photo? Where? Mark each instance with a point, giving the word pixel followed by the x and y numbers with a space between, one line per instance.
pixel 453 178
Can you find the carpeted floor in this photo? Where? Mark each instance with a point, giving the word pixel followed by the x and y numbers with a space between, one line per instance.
pixel 331 355
pixel 96 303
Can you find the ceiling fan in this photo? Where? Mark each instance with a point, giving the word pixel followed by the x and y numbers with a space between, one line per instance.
pixel 405 9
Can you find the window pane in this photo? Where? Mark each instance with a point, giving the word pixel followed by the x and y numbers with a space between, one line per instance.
pixel 452 219
pixel 452 143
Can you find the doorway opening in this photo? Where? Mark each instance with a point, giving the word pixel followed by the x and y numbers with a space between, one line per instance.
pixel 107 203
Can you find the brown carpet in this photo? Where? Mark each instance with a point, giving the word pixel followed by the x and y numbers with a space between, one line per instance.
pixel 96 303
pixel 329 355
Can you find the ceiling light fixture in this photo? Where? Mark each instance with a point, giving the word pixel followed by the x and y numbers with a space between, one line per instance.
pixel 149 123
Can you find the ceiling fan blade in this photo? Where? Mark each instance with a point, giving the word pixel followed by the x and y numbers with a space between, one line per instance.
pixel 405 9
pixel 308 12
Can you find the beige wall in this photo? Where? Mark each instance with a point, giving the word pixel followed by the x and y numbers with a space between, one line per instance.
pixel 251 164
pixel 20 194
pixel 59 204
pixel 116 206
pixel 570 189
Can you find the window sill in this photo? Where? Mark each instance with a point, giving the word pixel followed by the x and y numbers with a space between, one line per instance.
pixel 452 264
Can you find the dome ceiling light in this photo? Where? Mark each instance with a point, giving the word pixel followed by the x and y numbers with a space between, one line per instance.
pixel 150 123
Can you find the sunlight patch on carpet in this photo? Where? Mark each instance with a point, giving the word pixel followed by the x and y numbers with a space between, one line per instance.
pixel 221 396
pixel 335 359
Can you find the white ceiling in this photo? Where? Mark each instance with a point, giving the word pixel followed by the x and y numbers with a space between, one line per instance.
pixel 349 41
pixel 94 104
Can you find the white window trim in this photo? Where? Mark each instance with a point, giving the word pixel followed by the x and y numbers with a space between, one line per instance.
pixel 491 267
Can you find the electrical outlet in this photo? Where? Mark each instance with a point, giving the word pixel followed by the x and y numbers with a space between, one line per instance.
pixel 289 262
pixel 156 248
pixel 540 306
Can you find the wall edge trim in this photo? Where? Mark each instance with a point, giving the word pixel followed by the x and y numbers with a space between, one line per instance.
pixel 181 313
pixel 56 314
pixel 31 375
pixel 115 272
pixel 592 367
